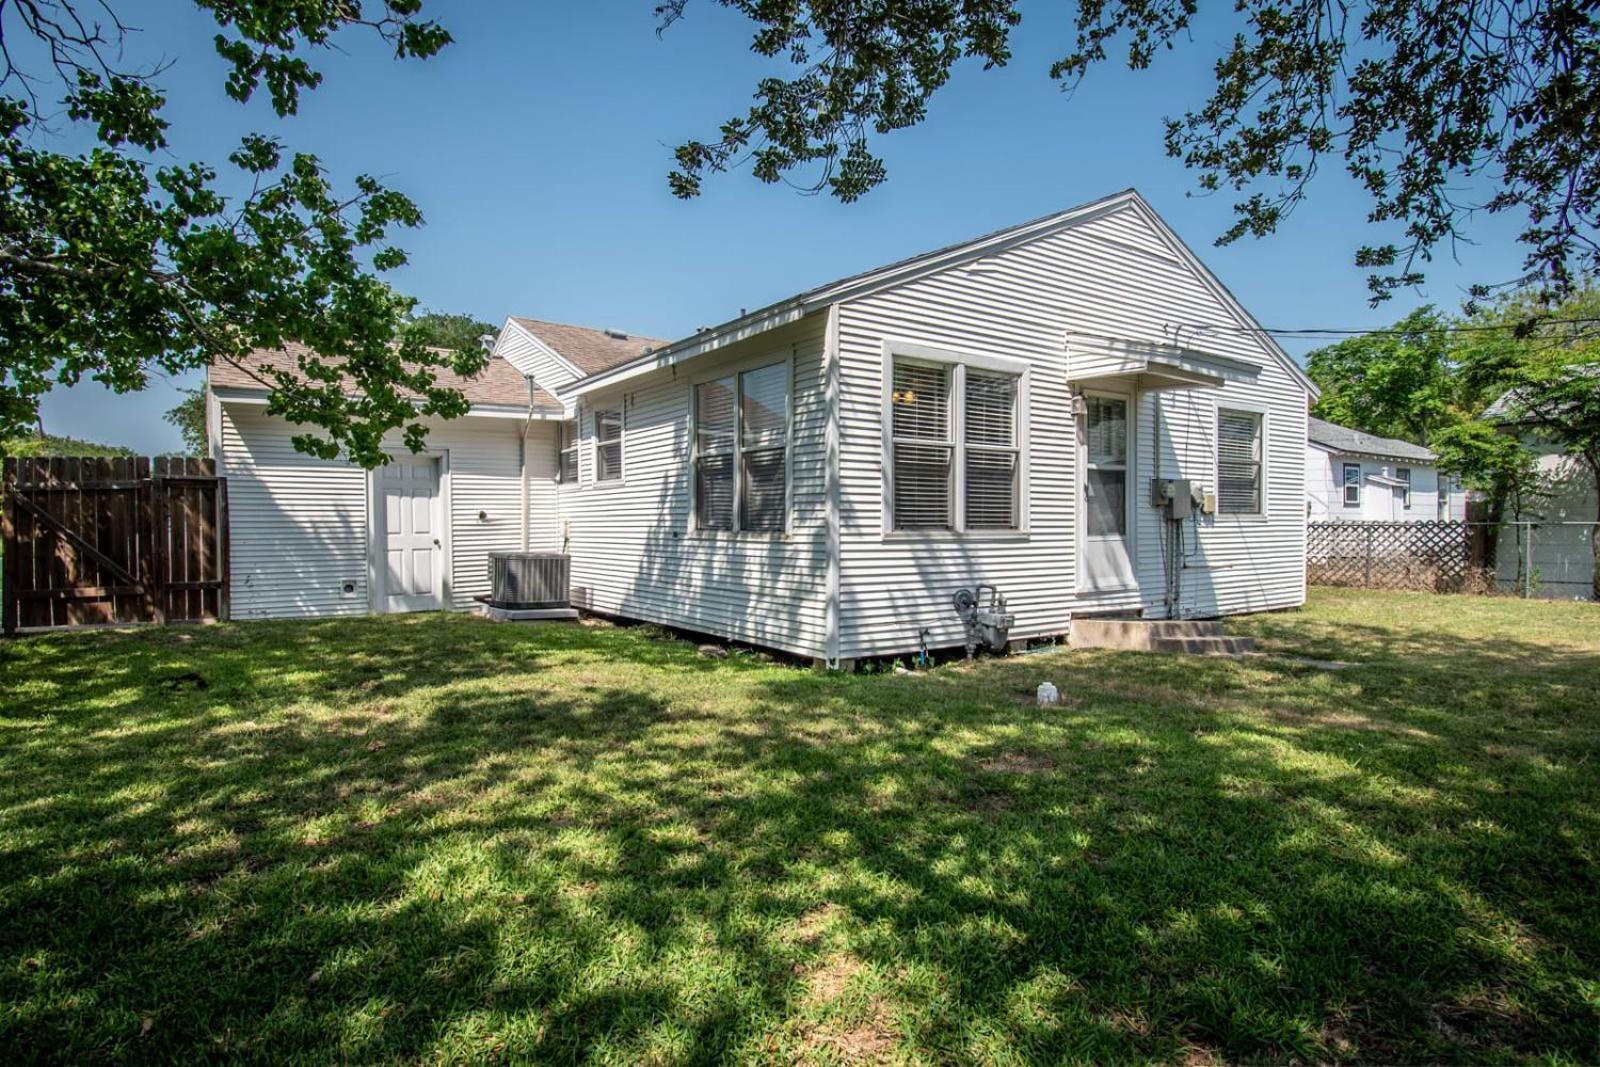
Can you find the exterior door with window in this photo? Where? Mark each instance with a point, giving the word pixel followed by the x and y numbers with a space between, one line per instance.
pixel 412 535
pixel 1105 451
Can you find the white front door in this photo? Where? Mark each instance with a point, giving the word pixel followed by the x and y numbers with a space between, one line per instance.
pixel 1105 454
pixel 412 541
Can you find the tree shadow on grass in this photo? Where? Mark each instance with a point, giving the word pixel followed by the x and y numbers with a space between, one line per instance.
pixel 437 839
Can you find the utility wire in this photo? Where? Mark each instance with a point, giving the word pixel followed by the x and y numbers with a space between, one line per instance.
pixel 1337 331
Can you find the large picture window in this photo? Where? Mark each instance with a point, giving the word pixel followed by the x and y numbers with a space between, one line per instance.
pixel 608 445
pixel 1238 462
pixel 741 451
pixel 953 437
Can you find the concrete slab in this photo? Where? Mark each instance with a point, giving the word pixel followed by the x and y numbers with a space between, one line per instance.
pixel 529 614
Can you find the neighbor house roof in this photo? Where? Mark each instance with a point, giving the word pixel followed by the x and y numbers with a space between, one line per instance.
pixel 796 307
pixel 498 385
pixel 1336 438
pixel 590 351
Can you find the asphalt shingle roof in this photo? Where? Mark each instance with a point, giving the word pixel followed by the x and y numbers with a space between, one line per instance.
pixel 590 350
pixel 498 385
pixel 1332 436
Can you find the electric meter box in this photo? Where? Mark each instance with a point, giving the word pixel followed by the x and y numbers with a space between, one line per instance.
pixel 1173 496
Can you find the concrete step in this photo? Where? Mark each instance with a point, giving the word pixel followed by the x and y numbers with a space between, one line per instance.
pixel 1219 645
pixel 1138 634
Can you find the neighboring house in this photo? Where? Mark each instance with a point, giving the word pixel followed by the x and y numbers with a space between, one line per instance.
pixel 1560 549
pixel 821 475
pixel 1359 477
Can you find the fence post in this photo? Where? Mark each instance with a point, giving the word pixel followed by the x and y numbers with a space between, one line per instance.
pixel 1367 581
pixel 1527 562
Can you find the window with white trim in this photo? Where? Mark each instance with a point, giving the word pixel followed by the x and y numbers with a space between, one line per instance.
pixel 1403 474
pixel 1352 485
pixel 1239 462
pixel 953 435
pixel 608 444
pixel 741 451
pixel 567 452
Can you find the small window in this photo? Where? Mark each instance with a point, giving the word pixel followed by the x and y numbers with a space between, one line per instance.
pixel 1352 485
pixel 567 452
pixel 1443 508
pixel 1238 462
pixel 920 406
pixel 1404 474
pixel 608 445
pixel 741 449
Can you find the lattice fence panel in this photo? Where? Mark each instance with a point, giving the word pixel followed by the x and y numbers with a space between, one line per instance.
pixel 1437 557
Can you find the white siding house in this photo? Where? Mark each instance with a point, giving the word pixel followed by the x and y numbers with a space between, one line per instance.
pixel 821 475
pixel 1359 477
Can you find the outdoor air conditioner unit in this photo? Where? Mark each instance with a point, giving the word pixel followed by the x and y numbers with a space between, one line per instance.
pixel 522 580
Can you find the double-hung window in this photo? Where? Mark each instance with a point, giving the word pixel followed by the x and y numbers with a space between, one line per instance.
pixel 1239 462
pixel 955 447
pixel 1352 485
pixel 567 452
pixel 741 451
pixel 608 444
pixel 1403 474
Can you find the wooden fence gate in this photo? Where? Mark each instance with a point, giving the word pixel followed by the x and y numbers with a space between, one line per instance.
pixel 113 541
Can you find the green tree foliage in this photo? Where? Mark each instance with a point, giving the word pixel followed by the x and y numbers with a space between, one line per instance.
pixel 1416 99
pixel 1399 382
pixel 445 329
pixel 123 260
pixel 189 416
pixel 38 444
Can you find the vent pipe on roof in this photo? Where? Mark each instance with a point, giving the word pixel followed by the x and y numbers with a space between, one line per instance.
pixel 486 341
pixel 617 334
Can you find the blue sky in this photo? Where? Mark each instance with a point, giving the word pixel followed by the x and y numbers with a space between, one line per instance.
pixel 538 146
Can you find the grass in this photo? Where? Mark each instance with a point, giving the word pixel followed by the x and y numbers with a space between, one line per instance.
pixel 435 838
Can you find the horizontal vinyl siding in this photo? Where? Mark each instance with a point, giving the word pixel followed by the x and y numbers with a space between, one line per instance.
pixel 633 553
pixel 520 350
pixel 298 525
pixel 1116 276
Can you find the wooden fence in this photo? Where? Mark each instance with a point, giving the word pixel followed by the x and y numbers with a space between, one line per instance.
pixel 131 540
pixel 1438 557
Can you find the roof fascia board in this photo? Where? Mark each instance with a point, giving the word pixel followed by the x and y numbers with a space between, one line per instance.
pixel 235 395
pixel 718 337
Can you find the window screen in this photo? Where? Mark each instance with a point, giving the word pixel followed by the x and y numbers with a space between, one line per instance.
pixel 714 428
pixel 1238 462
pixel 920 406
pixel 608 445
pixel 763 451
pixel 992 459
pixel 567 453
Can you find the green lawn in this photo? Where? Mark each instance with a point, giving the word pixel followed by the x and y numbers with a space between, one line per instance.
pixel 436 838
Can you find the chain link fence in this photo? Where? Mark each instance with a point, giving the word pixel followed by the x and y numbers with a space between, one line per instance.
pixel 1529 559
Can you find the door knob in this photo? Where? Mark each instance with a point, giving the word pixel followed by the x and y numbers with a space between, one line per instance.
pixel 435 542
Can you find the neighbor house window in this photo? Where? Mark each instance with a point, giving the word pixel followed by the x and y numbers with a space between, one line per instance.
pixel 608 444
pixel 741 451
pixel 1352 485
pixel 953 435
pixel 1238 462
pixel 1444 496
pixel 1403 474
pixel 567 452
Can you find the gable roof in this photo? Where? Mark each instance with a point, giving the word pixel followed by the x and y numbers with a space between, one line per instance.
pixel 499 385
pixel 588 351
pixel 901 271
pixel 1336 438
